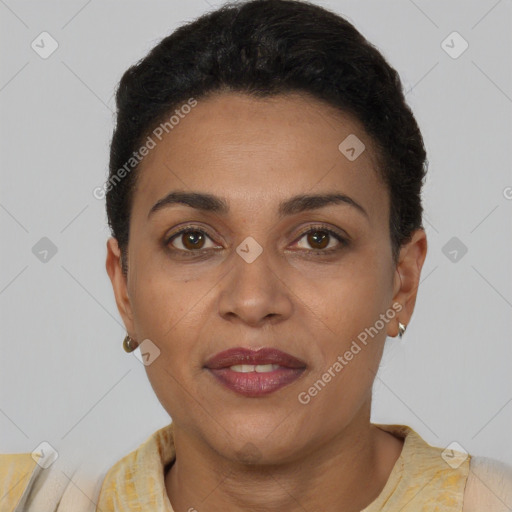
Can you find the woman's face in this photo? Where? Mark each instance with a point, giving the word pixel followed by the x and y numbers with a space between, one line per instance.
pixel 251 276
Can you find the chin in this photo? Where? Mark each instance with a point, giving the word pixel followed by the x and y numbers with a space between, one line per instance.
pixel 258 440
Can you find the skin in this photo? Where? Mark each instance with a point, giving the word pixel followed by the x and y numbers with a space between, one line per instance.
pixel 268 453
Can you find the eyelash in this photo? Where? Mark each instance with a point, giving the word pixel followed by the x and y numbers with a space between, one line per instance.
pixel 343 241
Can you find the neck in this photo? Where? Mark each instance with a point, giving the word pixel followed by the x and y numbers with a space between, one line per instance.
pixel 350 469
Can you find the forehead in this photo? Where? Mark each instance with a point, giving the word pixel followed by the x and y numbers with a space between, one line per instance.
pixel 260 150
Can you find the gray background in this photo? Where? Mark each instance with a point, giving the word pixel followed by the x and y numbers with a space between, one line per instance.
pixel 64 376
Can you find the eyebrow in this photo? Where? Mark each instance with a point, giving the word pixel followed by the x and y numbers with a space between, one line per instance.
pixel 292 206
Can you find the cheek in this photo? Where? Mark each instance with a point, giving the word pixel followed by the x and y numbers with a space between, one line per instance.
pixel 348 349
pixel 351 295
pixel 347 308
pixel 171 314
pixel 176 315
pixel 162 297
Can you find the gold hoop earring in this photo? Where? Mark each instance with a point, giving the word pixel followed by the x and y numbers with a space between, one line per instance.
pixel 129 344
pixel 401 329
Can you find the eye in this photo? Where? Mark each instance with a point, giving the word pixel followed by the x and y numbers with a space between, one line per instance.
pixel 189 240
pixel 323 240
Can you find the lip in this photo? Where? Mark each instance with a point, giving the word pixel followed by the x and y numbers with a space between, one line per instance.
pixel 255 384
pixel 240 355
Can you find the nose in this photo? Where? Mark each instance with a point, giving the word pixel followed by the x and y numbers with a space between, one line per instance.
pixel 255 293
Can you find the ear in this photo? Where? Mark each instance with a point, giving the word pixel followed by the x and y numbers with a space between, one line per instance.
pixel 119 283
pixel 407 278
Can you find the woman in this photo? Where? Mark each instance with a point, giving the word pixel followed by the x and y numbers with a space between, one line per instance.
pixel 264 200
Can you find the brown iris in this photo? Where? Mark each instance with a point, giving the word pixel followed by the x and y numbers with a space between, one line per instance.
pixel 193 239
pixel 318 239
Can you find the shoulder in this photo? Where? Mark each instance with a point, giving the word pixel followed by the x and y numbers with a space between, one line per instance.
pixel 148 453
pixel 18 474
pixel 29 483
pixel 138 476
pixel 116 478
pixel 488 487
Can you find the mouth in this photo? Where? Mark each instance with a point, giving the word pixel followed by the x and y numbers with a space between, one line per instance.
pixel 255 373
